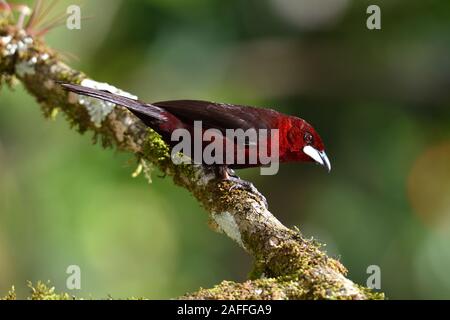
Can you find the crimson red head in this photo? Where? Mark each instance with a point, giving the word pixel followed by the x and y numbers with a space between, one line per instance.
pixel 305 144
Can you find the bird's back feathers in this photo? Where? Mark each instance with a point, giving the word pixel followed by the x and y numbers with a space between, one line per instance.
pixel 219 115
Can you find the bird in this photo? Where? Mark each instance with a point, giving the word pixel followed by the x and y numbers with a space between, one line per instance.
pixel 297 140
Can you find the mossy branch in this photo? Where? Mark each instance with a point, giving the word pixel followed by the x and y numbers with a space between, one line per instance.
pixel 287 265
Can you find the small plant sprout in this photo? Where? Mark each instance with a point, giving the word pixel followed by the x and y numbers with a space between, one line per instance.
pixel 37 21
pixel 9 9
pixel 24 12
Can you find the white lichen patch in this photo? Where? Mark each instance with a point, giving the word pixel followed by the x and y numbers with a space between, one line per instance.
pixel 45 56
pixel 24 44
pixel 106 87
pixel 228 225
pixel 11 46
pixel 24 68
pixel 10 49
pixel 5 45
pixel 5 40
pixel 98 109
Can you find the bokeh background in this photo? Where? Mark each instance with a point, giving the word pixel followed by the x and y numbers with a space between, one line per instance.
pixel 380 100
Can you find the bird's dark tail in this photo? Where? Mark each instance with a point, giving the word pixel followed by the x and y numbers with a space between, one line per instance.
pixel 140 109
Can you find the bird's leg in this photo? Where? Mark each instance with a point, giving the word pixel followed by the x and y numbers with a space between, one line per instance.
pixel 227 174
pixel 223 172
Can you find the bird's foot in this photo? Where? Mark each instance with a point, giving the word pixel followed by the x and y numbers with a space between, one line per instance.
pixel 239 184
pixel 228 174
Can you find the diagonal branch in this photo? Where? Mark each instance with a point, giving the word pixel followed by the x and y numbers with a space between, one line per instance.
pixel 287 265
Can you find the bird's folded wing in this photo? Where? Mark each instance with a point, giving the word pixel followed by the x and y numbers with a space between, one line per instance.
pixel 219 115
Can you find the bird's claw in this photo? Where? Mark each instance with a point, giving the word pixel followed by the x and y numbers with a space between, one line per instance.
pixel 239 184
pixel 226 174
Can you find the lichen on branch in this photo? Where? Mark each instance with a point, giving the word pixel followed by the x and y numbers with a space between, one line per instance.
pixel 287 266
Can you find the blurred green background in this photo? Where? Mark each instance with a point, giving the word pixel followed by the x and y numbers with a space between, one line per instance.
pixel 380 100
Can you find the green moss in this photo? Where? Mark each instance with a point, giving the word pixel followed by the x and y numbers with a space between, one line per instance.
pixel 258 271
pixel 371 294
pixel 156 148
pixel 262 289
pixel 11 295
pixel 284 288
pixel 5 22
pixel 40 291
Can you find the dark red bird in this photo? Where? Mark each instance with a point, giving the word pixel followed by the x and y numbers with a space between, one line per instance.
pixel 297 140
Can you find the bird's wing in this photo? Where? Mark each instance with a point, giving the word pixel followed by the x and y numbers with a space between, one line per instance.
pixel 219 115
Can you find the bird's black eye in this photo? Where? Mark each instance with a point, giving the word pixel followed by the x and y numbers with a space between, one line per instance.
pixel 308 138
